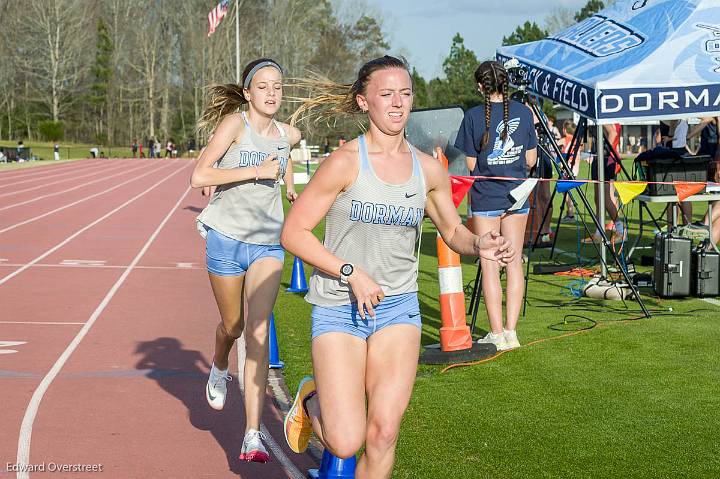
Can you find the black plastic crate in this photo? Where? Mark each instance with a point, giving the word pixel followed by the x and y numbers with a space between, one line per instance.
pixel 685 168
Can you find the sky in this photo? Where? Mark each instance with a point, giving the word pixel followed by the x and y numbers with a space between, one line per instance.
pixel 422 30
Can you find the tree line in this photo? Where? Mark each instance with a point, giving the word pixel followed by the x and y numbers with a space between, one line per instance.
pixel 111 71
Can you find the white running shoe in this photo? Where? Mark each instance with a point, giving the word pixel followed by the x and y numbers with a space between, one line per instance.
pixel 253 449
pixel 511 339
pixel 216 388
pixel 497 339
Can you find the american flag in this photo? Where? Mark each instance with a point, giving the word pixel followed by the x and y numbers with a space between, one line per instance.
pixel 215 15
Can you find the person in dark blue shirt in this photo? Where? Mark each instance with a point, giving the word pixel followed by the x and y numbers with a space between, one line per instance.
pixel 499 140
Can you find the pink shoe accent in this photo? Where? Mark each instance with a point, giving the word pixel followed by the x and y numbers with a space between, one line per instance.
pixel 255 456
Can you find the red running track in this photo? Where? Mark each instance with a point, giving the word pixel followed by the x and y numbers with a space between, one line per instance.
pixel 106 329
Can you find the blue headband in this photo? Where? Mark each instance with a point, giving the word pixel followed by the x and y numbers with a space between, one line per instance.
pixel 254 70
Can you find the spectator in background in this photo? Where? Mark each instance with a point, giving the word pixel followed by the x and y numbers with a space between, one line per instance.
pixel 714 176
pixel 610 169
pixel 151 145
pixel 679 131
pixel 158 147
pixel 708 131
pixel 21 151
pixel 56 151
pixel 341 141
pixel 140 148
pixel 94 152
pixel 565 143
pixel 134 147
pixel 553 129
pixel 168 148
pixel 326 147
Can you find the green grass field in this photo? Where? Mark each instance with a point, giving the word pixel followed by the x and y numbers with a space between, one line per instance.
pixel 630 397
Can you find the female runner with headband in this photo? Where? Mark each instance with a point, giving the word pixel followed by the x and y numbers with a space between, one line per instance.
pixel 242 224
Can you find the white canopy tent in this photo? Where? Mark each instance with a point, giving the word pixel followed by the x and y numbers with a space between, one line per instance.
pixel 635 60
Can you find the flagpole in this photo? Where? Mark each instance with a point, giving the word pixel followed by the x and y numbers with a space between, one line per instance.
pixel 237 42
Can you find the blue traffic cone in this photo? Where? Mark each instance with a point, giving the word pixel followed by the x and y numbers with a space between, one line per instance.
pixel 275 362
pixel 332 467
pixel 298 283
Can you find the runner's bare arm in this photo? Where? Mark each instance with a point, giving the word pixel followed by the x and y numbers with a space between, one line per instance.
pixel 441 210
pixel 230 128
pixel 294 136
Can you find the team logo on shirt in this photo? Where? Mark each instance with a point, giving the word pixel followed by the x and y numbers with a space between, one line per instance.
pixel 505 153
pixel 255 158
pixel 382 214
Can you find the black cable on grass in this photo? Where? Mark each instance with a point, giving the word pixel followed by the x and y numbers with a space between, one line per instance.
pixel 580 319
pixel 593 323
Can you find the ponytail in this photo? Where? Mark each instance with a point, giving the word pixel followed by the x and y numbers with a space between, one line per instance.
pixel 224 100
pixel 327 100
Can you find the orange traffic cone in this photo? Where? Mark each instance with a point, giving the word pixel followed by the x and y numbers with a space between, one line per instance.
pixel 454 333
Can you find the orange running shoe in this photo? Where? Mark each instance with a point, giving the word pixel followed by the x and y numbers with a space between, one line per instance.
pixel 298 426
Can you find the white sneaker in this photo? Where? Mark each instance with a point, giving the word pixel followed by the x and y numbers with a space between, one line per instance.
pixel 497 339
pixel 511 339
pixel 216 388
pixel 253 449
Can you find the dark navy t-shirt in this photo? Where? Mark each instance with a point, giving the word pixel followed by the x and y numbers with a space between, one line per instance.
pixel 498 158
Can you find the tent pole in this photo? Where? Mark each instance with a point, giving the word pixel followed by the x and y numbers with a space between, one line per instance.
pixel 601 188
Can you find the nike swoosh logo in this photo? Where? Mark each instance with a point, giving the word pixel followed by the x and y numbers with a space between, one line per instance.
pixel 410 196
pixel 212 398
pixel 281 147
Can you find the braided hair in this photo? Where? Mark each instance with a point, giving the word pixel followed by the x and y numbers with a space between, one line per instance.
pixel 493 78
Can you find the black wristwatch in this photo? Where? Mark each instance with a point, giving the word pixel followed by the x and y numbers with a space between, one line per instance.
pixel 345 271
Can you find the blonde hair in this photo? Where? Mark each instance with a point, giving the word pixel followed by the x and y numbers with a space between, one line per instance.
pixel 224 100
pixel 327 101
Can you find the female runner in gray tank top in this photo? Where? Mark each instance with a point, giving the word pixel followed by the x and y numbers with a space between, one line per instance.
pixel 373 193
pixel 247 154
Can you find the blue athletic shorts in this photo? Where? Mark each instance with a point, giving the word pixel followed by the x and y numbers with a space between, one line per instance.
pixel 230 257
pixel 499 213
pixel 397 309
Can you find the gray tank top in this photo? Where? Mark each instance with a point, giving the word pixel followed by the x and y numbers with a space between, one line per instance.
pixel 249 211
pixel 374 225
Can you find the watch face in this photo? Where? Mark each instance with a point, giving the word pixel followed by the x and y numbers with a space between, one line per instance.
pixel 346 269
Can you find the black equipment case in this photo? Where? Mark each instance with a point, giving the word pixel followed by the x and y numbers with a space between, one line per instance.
pixel 671 273
pixel 705 270
pixel 685 168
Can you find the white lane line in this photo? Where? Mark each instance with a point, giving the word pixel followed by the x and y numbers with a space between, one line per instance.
pixel 87 227
pixel 95 168
pixel 23 453
pixel 96 266
pixel 287 464
pixel 82 262
pixel 8 344
pixel 35 218
pixel 45 169
pixel 122 170
pixel 36 322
